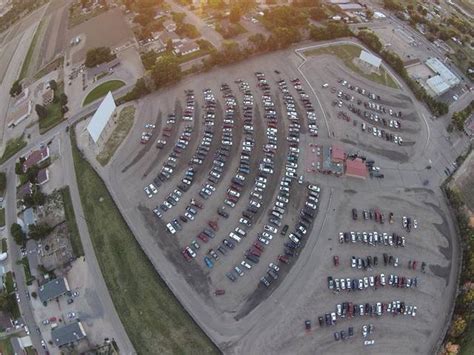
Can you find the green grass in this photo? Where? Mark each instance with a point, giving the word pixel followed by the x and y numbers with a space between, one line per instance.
pixel 347 53
pixel 48 68
pixel 124 124
pixel 102 90
pixel 2 217
pixel 6 347
pixel 13 146
pixel 9 282
pixel 4 245
pixel 467 345
pixel 153 318
pixel 74 235
pixel 55 115
pixel 26 264
pixel 29 54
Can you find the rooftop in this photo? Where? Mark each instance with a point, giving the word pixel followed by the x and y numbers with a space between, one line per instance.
pixel 356 168
pixel 329 166
pixel 337 153
pixel 101 68
pixel 71 333
pixel 53 289
pixel 439 68
pixel 370 58
pixel 36 157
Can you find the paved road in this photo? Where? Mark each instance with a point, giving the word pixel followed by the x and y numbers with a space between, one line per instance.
pixel 207 32
pixel 14 255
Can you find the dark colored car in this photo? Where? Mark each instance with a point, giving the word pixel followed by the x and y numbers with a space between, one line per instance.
pixel 336 260
pixel 354 214
pixel 307 324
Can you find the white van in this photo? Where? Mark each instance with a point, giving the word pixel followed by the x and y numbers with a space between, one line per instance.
pixel 235 237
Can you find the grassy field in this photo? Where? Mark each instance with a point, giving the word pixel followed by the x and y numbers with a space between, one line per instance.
pixel 2 217
pixel 102 90
pixel 6 347
pixel 29 54
pixel 124 124
pixel 26 264
pixel 55 114
pixel 467 346
pixel 13 146
pixel 48 68
pixel 74 235
pixel 154 320
pixel 347 53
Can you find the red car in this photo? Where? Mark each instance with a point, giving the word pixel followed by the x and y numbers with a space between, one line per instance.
pixel 413 265
pixel 283 259
pixel 203 237
pixel 197 204
pixel 186 255
pixel 258 245
pixel 219 292
pixel 255 252
pixel 336 260
pixel 213 225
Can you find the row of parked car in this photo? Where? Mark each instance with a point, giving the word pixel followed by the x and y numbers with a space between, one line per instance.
pixel 408 223
pixel 372 214
pixel 347 310
pixel 359 90
pixel 379 280
pixel 372 238
pixel 309 109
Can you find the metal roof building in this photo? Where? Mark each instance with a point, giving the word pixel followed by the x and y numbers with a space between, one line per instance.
pixel 370 59
pixel 53 289
pixel 69 334
pixel 101 117
pixel 445 78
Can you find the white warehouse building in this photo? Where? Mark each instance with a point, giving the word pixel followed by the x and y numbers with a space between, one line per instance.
pixel 443 80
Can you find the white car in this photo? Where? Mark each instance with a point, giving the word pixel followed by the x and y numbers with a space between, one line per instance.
pixel 246 264
pixel 369 342
pixel 314 188
pixel 148 192
pixel 274 267
pixel 244 221
pixel 170 228
pixel 270 228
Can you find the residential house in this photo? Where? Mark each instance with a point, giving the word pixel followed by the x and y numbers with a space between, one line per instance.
pixel 36 157
pixel 187 48
pixel 170 26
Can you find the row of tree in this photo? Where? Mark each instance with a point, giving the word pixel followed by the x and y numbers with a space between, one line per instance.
pixel 99 55
pixel 460 117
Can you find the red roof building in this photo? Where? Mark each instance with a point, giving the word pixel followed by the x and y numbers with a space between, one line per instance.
pixel 356 168
pixel 36 157
pixel 337 154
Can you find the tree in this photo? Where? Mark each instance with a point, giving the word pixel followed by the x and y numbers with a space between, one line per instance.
pixel 166 71
pixel 63 99
pixel 149 59
pixel 34 294
pixel 235 14
pixel 258 42
pixel 178 17
pixel 318 13
pixel 53 85
pixel 98 56
pixel 3 181
pixel 39 230
pixel 369 13
pixel 17 234
pixel 16 89
pixel 188 30
pixel 468 297
pixel 140 89
pixel 41 111
pixel 458 326
pixel 169 46
pixel 32 174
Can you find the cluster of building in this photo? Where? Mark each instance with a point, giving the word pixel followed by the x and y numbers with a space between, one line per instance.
pixel 336 162
pixel 67 334
pixel 181 46
pixel 34 158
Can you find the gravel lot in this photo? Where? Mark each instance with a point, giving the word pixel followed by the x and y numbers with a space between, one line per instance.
pixel 250 318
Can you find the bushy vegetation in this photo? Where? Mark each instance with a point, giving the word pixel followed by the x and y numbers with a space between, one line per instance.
pixel 98 56
pixel 459 118
pixel 463 317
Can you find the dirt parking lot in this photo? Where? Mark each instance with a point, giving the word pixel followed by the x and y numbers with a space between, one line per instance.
pixel 108 29
pixel 250 317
